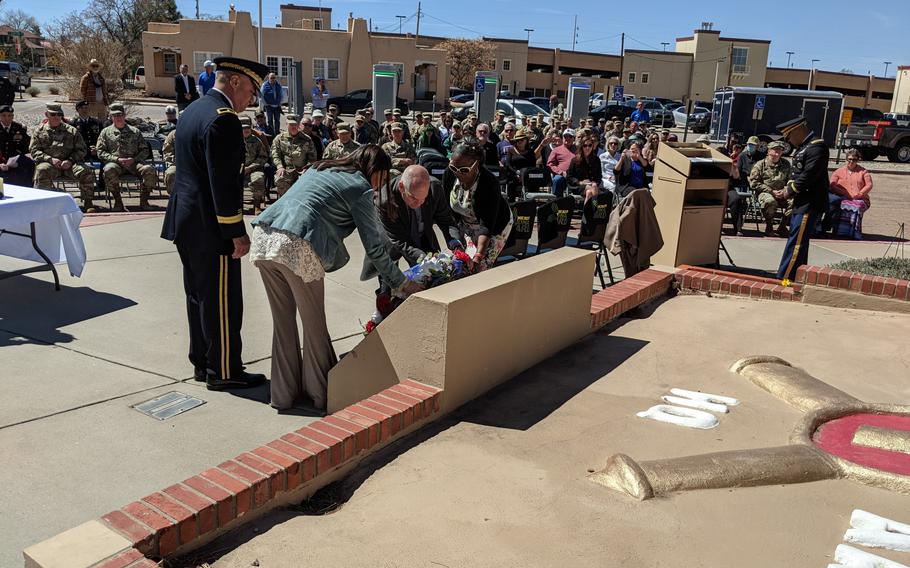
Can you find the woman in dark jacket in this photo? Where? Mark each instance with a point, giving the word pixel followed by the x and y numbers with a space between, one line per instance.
pixel 584 169
pixel 482 213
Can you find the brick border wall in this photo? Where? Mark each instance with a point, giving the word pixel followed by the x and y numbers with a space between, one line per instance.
pixel 612 302
pixel 295 465
pixel 220 498
pixel 721 282
pixel 854 282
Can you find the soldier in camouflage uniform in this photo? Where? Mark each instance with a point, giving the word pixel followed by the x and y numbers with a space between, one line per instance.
pixel 58 151
pixel 396 117
pixel 292 150
pixel 341 147
pixel 122 149
pixel 257 156
pixel 499 123
pixel 400 150
pixel 385 129
pixel 768 175
pixel 168 151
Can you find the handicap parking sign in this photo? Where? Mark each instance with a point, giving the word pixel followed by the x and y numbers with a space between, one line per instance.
pixel 618 92
pixel 759 102
pixel 479 84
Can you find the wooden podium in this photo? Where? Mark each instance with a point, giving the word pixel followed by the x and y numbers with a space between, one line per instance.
pixel 690 190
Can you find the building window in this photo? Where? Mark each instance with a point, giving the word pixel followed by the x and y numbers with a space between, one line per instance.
pixel 317 23
pixel 740 58
pixel 170 63
pixel 279 64
pixel 631 76
pixel 560 94
pixel 200 57
pixel 327 68
pixel 506 64
pixel 493 66
pixel 645 77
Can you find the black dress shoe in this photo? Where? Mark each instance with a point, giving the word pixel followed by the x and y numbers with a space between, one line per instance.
pixel 199 375
pixel 243 381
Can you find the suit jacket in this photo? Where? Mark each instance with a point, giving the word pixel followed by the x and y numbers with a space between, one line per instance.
pixel 490 207
pixel 180 88
pixel 205 210
pixel 435 211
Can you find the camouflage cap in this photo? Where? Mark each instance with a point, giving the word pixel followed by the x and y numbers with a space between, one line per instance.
pixel 397 126
pixel 396 112
pixel 54 108
pixel 777 145
pixel 753 140
pixel 318 114
pixel 293 119
pixel 115 108
pixel 387 111
pixel 246 122
pixel 428 115
pixel 360 117
pixel 343 127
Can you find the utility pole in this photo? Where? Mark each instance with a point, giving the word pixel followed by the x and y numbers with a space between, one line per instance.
pixel 622 55
pixel 529 30
pixel 417 33
pixel 812 72
pixel 197 9
pixel 259 42
pixel 574 32
pixel 789 53
pixel 717 71
pixel 887 63
pixel 665 44
pixel 400 19
pixel 729 66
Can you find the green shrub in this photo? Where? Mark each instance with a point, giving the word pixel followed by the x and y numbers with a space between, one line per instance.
pixel 889 267
pixel 33 91
pixel 54 90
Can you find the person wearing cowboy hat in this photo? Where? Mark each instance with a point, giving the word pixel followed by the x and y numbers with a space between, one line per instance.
pixel 204 219
pixel 93 88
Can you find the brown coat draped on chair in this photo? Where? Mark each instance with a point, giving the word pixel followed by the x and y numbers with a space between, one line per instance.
pixel 633 232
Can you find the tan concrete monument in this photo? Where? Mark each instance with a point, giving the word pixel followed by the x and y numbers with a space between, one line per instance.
pixel 468 336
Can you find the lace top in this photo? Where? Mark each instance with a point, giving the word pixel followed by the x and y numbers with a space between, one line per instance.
pixel 287 249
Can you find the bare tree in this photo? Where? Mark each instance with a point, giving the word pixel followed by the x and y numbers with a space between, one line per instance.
pixel 75 43
pixel 465 57
pixel 20 20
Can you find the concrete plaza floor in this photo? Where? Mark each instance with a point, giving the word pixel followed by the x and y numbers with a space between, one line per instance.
pixel 74 362
pixel 503 481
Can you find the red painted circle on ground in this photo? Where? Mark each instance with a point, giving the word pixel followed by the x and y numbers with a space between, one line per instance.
pixel 836 438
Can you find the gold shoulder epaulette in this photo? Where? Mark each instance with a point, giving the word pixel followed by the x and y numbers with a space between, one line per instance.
pixel 225 110
pixel 818 141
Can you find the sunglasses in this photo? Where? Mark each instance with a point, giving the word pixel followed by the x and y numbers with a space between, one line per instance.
pixel 852 160
pixel 588 146
pixel 464 170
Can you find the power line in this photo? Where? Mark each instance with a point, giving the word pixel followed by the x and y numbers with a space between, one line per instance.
pixel 425 15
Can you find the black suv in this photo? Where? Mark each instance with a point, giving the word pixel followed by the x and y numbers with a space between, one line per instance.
pixel 16 74
pixel 363 98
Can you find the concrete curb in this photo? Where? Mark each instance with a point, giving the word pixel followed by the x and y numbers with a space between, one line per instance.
pixel 191 513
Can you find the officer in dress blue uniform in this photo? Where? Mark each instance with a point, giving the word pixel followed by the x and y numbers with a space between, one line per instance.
pixel 808 186
pixel 205 220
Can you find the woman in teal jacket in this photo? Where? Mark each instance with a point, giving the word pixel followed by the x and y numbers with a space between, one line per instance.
pixel 301 237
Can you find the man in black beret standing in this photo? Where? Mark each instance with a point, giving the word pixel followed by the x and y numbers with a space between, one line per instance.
pixel 205 220
pixel 808 186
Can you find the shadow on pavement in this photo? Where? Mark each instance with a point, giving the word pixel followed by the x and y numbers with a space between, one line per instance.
pixel 33 308
pixel 519 404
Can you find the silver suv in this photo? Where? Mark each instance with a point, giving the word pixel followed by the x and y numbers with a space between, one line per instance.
pixel 16 74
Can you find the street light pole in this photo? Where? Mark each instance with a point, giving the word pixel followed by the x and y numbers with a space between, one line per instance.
pixel 887 63
pixel 717 70
pixel 665 44
pixel 529 30
pixel 259 41
pixel 789 54
pixel 812 72
pixel 400 19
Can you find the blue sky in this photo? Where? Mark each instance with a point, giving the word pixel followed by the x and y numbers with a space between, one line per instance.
pixel 818 29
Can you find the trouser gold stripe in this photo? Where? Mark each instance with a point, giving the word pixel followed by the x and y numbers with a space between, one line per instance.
pixel 799 240
pixel 221 310
pixel 227 325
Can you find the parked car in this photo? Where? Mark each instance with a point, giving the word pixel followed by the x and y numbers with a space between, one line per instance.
pixel 139 77
pixel 596 100
pixel 512 107
pixel 542 102
pixel 875 138
pixel 16 74
pixel 610 110
pixel 659 115
pixel 461 99
pixel 454 92
pixel 898 118
pixel 699 120
pixel 864 115
pixel 363 98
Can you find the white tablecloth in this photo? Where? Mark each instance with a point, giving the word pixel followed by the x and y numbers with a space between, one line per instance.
pixel 56 217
